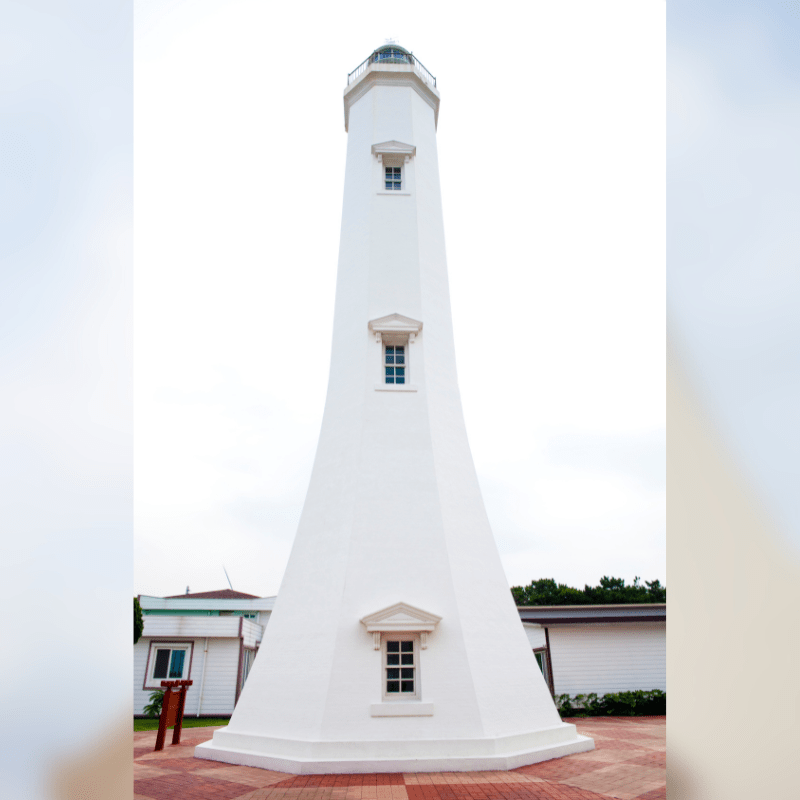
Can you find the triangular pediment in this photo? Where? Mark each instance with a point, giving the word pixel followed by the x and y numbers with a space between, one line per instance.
pixel 401 617
pixel 395 323
pixel 394 148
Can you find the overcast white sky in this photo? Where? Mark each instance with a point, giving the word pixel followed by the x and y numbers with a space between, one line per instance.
pixel 551 141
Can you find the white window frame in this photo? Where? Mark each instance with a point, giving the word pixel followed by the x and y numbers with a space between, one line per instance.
pixel 402 622
pixel 396 176
pixel 151 682
pixel 395 330
pixel 396 155
pixel 396 341
pixel 400 697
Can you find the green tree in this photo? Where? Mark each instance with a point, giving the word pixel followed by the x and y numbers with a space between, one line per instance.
pixel 546 592
pixel 138 621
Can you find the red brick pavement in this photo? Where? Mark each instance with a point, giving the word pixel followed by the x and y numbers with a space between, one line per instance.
pixel 628 763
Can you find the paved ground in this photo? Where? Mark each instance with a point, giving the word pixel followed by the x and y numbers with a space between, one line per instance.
pixel 629 761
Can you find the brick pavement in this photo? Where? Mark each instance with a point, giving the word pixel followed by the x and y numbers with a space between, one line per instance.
pixel 628 763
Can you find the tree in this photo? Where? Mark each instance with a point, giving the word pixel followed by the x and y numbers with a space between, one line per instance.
pixel 546 592
pixel 138 621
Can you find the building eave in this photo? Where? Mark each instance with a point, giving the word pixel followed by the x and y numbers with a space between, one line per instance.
pixel 188 604
pixel 593 615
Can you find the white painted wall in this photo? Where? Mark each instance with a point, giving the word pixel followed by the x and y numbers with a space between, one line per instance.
pixel 219 691
pixel 608 658
pixel 252 633
pixel 394 511
pixel 535 634
pixel 167 626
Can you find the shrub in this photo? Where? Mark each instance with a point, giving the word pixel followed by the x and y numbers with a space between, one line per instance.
pixel 636 703
pixel 153 708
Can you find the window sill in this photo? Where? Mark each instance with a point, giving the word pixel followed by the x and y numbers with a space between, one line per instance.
pixel 396 194
pixel 401 710
pixel 389 387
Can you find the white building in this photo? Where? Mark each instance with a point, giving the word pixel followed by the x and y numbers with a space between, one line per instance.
pixel 600 649
pixel 394 643
pixel 216 635
pixel 208 637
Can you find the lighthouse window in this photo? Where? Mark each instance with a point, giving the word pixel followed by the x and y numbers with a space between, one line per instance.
pixel 393 178
pixel 390 54
pixel 400 668
pixel 395 364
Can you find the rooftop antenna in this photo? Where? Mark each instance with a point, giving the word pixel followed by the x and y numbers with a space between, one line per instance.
pixel 187 590
pixel 226 575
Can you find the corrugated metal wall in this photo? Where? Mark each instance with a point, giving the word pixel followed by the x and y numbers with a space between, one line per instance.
pixel 608 658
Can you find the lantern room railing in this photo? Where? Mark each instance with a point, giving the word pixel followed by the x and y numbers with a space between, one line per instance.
pixel 392 56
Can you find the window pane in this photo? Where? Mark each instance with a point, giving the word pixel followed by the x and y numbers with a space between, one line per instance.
pixel 388 185
pixel 396 185
pixel 397 173
pixel 176 667
pixel 389 372
pixel 392 659
pixel 394 673
pixel 407 658
pixel 408 673
pixel 390 358
pixel 407 647
pixel 392 647
pixel 408 686
pixel 392 686
pixel 389 349
pixel 162 661
pixel 400 358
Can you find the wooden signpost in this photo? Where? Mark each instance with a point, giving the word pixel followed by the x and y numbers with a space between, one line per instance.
pixel 172 711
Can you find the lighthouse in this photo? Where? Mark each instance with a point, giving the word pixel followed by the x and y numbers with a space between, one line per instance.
pixel 394 644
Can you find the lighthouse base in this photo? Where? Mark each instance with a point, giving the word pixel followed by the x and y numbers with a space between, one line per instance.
pixel 421 755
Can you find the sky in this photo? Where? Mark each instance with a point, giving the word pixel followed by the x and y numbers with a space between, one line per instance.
pixel 551 147
pixel 733 240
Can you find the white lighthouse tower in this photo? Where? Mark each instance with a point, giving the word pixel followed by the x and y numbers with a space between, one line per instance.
pixel 394 644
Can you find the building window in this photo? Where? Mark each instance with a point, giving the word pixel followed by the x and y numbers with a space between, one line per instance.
pixel 248 656
pixel 393 178
pixel 400 670
pixel 394 360
pixel 167 661
pixel 169 664
pixel 544 666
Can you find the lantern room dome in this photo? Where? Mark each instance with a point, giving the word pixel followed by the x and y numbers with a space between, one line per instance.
pixel 392 53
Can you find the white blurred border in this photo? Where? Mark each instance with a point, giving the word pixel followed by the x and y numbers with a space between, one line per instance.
pixel 65 401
